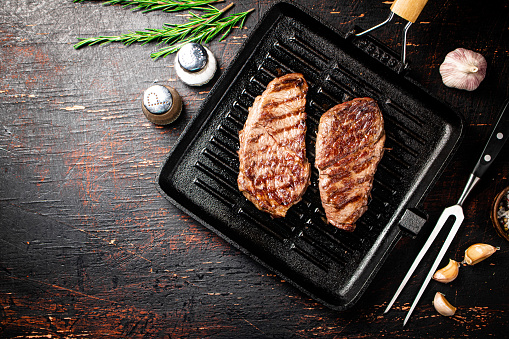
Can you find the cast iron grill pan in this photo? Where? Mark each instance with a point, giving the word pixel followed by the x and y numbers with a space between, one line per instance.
pixel 330 265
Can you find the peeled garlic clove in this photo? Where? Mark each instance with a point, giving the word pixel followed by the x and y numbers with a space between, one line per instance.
pixel 443 306
pixel 463 69
pixel 478 252
pixel 448 273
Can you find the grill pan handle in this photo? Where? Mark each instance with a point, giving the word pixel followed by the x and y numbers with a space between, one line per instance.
pixel 412 221
pixel 408 9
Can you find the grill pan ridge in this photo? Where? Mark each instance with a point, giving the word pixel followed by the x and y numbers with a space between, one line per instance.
pixel 332 266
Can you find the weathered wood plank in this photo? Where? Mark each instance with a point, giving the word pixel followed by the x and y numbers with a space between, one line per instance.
pixel 90 248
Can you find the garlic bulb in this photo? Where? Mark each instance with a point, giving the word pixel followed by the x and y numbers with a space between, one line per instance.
pixel 463 69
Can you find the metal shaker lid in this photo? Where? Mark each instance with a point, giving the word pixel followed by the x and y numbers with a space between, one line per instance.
pixel 157 99
pixel 192 57
pixel 161 104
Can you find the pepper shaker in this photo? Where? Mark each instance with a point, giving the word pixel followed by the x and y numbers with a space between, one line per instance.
pixel 195 64
pixel 161 104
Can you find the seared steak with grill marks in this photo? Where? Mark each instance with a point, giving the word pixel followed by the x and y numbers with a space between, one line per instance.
pixel 349 146
pixel 274 171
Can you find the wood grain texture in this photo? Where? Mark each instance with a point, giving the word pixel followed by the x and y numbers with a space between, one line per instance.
pixel 90 248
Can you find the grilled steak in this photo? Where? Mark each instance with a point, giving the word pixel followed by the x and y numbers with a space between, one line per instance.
pixel 274 171
pixel 349 146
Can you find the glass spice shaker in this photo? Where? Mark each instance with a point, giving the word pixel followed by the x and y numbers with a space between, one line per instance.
pixel 195 64
pixel 161 104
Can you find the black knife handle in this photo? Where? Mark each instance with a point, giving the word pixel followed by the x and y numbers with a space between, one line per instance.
pixel 498 137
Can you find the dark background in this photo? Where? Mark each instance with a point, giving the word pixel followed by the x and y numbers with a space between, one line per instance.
pixel 90 248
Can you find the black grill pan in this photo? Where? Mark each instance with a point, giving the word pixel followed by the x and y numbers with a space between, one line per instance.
pixel 332 266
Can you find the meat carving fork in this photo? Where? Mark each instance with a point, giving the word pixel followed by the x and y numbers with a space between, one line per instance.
pixel 498 137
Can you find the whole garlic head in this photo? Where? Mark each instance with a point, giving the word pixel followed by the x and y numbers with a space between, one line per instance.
pixel 463 69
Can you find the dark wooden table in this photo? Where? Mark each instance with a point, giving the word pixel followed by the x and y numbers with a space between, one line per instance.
pixel 90 248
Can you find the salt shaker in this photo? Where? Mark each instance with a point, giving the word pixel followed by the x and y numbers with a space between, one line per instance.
pixel 195 64
pixel 161 104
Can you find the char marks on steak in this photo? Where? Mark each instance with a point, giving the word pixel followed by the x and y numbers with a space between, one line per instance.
pixel 274 171
pixel 349 146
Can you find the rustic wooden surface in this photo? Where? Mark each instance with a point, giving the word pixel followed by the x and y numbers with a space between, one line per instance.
pixel 90 248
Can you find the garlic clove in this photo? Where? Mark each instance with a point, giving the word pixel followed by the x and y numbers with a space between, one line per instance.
pixel 478 252
pixel 447 273
pixel 463 69
pixel 443 306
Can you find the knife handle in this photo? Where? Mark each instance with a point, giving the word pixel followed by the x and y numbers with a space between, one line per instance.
pixel 495 143
pixel 408 9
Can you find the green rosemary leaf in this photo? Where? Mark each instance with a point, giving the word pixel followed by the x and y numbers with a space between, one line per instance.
pixel 160 5
pixel 204 33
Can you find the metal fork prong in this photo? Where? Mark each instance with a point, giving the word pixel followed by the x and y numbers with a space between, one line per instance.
pixel 454 211
pixel 440 223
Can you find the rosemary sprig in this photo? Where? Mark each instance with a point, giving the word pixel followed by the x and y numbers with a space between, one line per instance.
pixel 200 28
pixel 160 5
